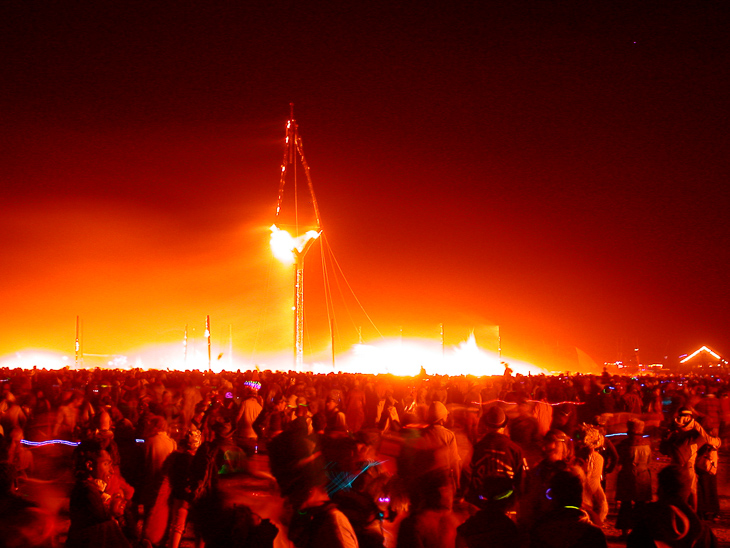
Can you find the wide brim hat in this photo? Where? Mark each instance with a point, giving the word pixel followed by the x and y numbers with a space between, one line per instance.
pixel 223 429
pixel 494 417
pixel 437 411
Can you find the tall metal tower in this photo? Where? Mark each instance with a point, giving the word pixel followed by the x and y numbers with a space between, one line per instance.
pixel 295 246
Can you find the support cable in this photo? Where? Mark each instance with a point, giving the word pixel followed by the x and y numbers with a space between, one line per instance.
pixel 329 303
pixel 344 301
pixel 266 309
pixel 339 268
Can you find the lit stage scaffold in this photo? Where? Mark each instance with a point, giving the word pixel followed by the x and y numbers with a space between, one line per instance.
pixel 291 249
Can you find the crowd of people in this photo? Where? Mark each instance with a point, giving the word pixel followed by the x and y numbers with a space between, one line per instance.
pixel 364 460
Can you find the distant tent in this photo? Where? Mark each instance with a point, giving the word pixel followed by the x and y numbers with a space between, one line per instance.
pixel 703 357
pixel 586 364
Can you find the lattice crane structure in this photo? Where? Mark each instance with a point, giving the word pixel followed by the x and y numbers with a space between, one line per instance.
pixel 293 247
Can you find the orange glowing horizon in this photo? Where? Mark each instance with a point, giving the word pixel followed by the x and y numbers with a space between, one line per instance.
pixel 396 356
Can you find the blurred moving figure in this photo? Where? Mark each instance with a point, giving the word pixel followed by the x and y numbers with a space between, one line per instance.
pixel 157 447
pixel 215 522
pixel 68 418
pixel 681 444
pixel 248 412
pixel 670 521
pixel 566 525
pixel 490 526
pixel 170 511
pixel 557 453
pixel 706 464
pixel 633 485
pixel 441 437
pixel 23 524
pixel 588 441
pixel 299 471
pixel 19 457
pixel 336 422
pixel 271 421
pixel 355 408
pixel 430 523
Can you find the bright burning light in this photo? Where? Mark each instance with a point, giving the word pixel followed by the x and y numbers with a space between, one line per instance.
pixel 27 359
pixel 401 357
pixel 284 244
pixel 405 357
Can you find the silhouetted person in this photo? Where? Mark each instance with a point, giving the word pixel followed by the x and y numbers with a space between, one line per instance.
pixel 670 520
pixel 566 525
pixel 633 485
pixel 315 520
pixel 681 445
pixel 497 462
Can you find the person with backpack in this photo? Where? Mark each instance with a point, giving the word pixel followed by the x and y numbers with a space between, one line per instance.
pixel 497 462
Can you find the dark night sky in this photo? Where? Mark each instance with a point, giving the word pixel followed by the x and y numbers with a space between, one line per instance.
pixel 557 168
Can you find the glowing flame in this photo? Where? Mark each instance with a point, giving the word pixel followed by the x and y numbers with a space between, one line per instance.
pixel 284 244
pixel 405 357
pixel 29 358
pixel 397 356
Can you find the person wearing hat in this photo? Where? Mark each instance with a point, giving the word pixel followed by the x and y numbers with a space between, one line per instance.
pixel 496 460
pixel 443 439
pixel 299 469
pixel 669 521
pixel 681 444
pixel 432 453
pixel 490 526
pixel 430 465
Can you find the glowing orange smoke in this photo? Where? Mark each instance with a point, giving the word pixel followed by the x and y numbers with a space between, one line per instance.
pixel 401 357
